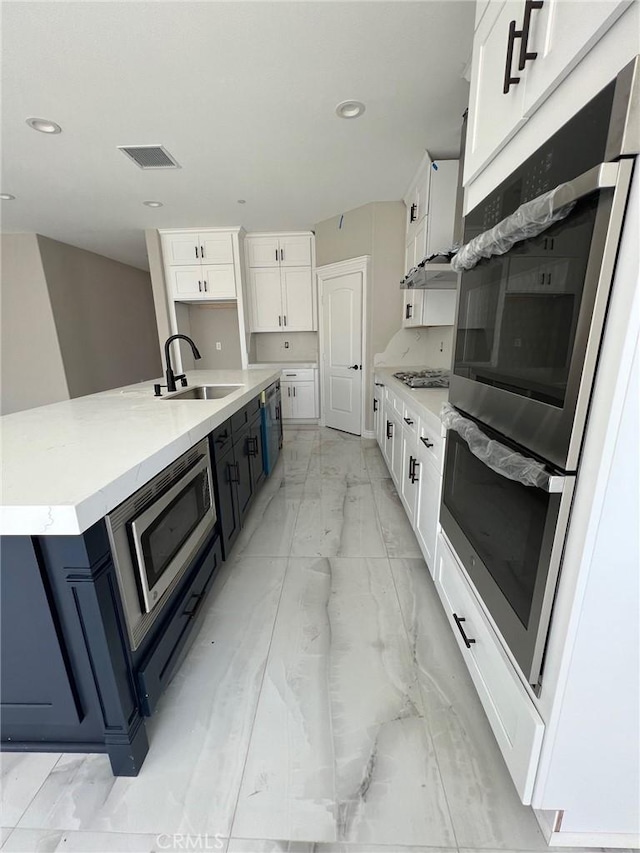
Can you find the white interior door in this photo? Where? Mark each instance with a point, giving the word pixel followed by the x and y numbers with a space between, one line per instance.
pixel 342 351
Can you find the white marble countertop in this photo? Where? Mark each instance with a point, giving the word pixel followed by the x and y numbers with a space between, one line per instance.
pixel 283 365
pixel 64 466
pixel 428 400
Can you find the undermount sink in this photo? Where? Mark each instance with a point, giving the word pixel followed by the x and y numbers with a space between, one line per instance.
pixel 204 392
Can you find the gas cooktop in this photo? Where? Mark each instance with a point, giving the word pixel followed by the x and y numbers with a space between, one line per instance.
pixel 430 377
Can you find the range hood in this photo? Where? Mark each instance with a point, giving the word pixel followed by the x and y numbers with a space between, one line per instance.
pixel 426 275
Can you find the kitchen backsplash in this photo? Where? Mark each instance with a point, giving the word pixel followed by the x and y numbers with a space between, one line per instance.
pixel 426 347
pixel 270 346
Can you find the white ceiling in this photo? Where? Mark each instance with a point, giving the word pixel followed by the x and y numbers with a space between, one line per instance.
pixel 243 94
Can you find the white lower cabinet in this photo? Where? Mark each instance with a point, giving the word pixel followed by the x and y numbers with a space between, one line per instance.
pixel 516 723
pixel 428 508
pixel 299 390
pixel 378 413
pixel 409 475
pixel 396 450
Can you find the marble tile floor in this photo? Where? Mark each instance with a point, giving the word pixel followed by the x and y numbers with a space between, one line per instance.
pixel 323 708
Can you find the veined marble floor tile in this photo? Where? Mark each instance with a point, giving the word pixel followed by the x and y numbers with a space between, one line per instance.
pixel 5 832
pixel 340 750
pixel 483 802
pixel 270 524
pixel 21 776
pixel 376 466
pixel 56 841
pixel 398 536
pixel 337 518
pixel 198 737
pixel 245 845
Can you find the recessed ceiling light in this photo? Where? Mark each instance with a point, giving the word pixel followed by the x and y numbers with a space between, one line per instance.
pixel 153 203
pixel 7 197
pixel 242 201
pixel 350 109
pixel 44 125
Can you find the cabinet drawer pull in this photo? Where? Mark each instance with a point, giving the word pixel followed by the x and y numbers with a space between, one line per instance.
pixel 510 81
pixel 198 601
pixel 459 620
pixel 426 442
pixel 408 421
pixel 529 6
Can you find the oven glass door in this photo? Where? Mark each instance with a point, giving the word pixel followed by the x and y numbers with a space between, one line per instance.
pixel 518 313
pixel 166 534
pixel 509 538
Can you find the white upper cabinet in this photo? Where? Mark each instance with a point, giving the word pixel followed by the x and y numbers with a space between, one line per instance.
pixel 441 220
pixel 494 115
pixel 279 250
pixel 561 34
pixel 197 247
pixel 281 286
pixel 522 50
pixel 199 265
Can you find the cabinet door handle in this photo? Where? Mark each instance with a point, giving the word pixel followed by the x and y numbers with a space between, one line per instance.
pixel 282 254
pixel 205 286
pixel 285 319
pixel 202 251
pixel 529 6
pixel 375 405
pixel 410 475
pixel 468 641
pixel 252 450
pixel 510 81
pixel 413 215
pixel 276 254
pixel 426 442
pixel 199 287
pixel 389 429
pixel 230 466
pixel 407 311
pixel 294 390
pixel 414 477
pixel 196 248
pixel 288 390
pixel 279 320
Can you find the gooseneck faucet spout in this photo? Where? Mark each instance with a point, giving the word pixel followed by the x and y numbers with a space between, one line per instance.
pixel 171 377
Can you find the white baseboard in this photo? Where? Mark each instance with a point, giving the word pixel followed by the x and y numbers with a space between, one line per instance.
pixel 627 840
pixel 368 433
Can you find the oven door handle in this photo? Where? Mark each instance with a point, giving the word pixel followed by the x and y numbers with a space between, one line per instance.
pixel 534 217
pixel 600 177
pixel 504 460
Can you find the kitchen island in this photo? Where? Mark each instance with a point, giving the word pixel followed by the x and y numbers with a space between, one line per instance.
pixel 74 677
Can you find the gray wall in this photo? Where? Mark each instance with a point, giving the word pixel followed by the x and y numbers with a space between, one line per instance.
pixel 208 324
pixel 104 316
pixel 32 370
pixel 378 230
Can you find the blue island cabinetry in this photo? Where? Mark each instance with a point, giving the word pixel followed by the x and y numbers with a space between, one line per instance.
pixel 71 680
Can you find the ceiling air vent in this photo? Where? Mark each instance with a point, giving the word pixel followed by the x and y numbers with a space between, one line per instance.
pixel 149 156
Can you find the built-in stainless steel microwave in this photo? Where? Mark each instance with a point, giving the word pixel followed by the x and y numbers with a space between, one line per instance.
pixel 156 533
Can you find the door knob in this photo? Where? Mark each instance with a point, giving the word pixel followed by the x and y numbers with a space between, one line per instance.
pixel 354 367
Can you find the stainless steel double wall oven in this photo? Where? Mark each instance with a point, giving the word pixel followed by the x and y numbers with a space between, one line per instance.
pixel 529 328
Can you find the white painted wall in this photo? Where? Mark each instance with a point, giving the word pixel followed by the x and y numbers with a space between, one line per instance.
pixel 32 371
